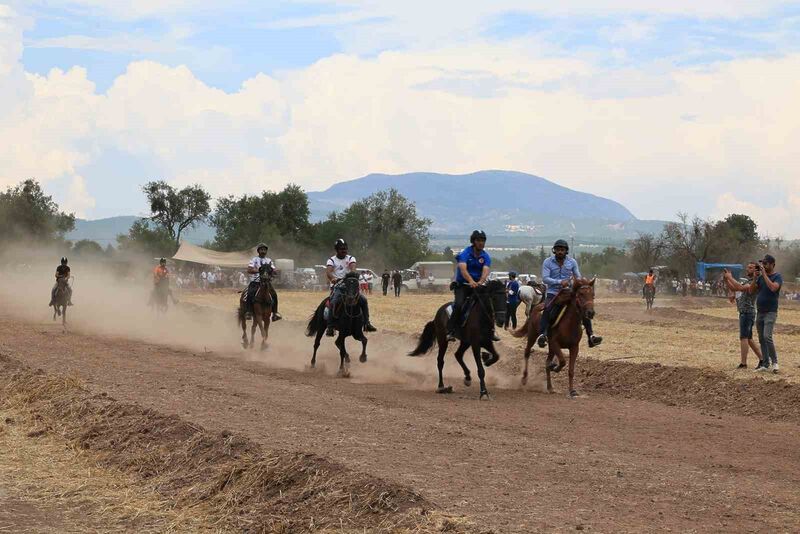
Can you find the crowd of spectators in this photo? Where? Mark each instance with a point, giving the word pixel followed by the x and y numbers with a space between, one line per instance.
pixel 208 279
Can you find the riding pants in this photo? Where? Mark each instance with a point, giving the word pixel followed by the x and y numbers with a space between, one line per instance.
pixel 544 322
pixel 252 289
pixel 338 294
pixel 460 294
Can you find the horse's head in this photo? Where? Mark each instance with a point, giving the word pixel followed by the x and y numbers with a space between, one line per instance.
pixel 496 291
pixel 265 273
pixel 351 288
pixel 583 291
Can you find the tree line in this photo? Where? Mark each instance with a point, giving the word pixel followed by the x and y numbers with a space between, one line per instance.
pixel 384 229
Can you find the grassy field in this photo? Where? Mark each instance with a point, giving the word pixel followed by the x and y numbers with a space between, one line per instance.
pixel 696 332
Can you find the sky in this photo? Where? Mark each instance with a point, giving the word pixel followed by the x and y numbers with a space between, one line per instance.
pixel 663 106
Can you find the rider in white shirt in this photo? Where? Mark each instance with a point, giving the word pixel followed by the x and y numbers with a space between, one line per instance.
pixel 336 267
pixel 252 269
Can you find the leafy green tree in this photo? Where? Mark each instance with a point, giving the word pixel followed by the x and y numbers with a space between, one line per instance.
pixel 745 228
pixel 26 213
pixel 173 210
pixel 608 263
pixel 646 251
pixel 146 238
pixel 242 222
pixel 87 247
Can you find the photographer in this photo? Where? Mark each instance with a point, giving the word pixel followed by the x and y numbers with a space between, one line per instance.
pixel 746 305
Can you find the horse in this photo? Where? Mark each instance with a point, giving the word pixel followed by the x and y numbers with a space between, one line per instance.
pixel 649 295
pixel 576 303
pixel 60 301
pixel 349 322
pixel 488 307
pixel 160 296
pixel 528 294
pixel 261 309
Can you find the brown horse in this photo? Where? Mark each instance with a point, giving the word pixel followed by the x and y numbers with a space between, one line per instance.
pixel 489 309
pixel 60 301
pixel 261 309
pixel 576 303
pixel 649 295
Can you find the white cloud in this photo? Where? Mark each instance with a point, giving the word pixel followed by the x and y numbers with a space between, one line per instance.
pixel 78 200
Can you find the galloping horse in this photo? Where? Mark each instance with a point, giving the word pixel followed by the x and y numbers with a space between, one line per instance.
pixel 261 309
pixel 488 309
pixel 60 301
pixel 160 296
pixel 576 304
pixel 349 322
pixel 649 295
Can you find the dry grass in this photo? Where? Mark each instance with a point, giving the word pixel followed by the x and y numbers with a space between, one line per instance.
pixel 209 481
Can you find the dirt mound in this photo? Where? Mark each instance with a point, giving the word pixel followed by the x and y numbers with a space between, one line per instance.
pixel 224 476
pixel 705 389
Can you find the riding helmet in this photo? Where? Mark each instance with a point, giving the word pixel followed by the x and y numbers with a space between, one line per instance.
pixel 477 235
pixel 162 260
pixel 340 243
pixel 561 243
pixel 512 274
pixel 64 260
pixel 262 245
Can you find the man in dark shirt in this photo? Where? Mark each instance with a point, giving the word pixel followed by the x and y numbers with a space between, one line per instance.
pixel 397 281
pixel 62 271
pixel 385 281
pixel 768 286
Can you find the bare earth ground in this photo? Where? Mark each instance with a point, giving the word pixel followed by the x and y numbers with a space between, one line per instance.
pixel 526 461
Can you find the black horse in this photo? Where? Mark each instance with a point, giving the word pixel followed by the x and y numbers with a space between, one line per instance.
pixel 487 308
pixel 349 322
pixel 60 301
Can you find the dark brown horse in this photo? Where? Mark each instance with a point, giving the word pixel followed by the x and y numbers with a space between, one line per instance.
pixel 575 303
pixel 649 295
pixel 261 309
pixel 60 301
pixel 489 309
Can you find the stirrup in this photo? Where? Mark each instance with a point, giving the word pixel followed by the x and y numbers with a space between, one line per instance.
pixel 276 317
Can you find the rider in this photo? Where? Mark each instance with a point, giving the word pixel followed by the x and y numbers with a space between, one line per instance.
pixel 336 267
pixel 62 271
pixel 253 270
pixel 160 275
pixel 649 280
pixel 472 271
pixel 557 272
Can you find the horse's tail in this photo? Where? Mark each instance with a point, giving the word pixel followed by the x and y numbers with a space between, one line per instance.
pixel 522 331
pixel 426 340
pixel 315 321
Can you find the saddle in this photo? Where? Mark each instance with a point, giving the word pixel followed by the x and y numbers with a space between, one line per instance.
pixel 469 303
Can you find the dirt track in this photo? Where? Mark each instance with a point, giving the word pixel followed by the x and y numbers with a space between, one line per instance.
pixel 526 461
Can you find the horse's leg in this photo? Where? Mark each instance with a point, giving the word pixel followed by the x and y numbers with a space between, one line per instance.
pixel 264 326
pixel 476 352
pixel 363 357
pixel 440 366
pixel 64 316
pixel 549 382
pixel 344 358
pixel 253 330
pixel 528 346
pixel 462 348
pixel 573 355
pixel 244 332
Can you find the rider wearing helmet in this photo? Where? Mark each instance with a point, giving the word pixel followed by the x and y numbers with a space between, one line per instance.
pixel 472 271
pixel 336 267
pixel 62 271
pixel 557 273
pixel 253 269
pixel 649 280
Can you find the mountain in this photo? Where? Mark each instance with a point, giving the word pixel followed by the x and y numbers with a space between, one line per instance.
pixel 500 202
pixel 105 231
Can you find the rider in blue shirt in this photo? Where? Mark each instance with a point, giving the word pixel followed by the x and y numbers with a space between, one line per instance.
pixel 471 271
pixel 557 273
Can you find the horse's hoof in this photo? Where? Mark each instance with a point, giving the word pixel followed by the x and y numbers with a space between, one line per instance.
pixel 559 368
pixel 552 366
pixel 363 358
pixel 444 389
pixel 525 380
pixel 467 381
pixel 489 359
pixel 313 365
pixel 485 396
pixel 573 394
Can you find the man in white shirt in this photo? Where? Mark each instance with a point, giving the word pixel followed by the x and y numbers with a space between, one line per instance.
pixel 253 269
pixel 336 267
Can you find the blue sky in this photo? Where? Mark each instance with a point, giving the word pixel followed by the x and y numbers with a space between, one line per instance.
pixel 598 96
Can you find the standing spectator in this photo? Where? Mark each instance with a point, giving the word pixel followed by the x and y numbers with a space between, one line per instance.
pixel 370 280
pixel 385 281
pixel 512 300
pixel 242 279
pixel 768 285
pixel 204 280
pixel 746 304
pixel 397 281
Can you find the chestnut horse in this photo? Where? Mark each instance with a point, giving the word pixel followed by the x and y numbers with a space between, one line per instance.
pixel 575 303
pixel 260 308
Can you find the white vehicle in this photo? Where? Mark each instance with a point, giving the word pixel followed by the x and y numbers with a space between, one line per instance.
pixel 499 275
pixel 442 272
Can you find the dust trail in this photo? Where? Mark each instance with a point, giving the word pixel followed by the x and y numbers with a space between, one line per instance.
pixel 109 306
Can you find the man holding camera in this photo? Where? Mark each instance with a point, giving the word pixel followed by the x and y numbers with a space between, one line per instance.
pixel 746 305
pixel 767 287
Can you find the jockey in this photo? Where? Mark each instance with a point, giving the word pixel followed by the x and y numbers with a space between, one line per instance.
pixel 472 271
pixel 62 271
pixel 649 280
pixel 557 272
pixel 252 269
pixel 336 267
pixel 160 273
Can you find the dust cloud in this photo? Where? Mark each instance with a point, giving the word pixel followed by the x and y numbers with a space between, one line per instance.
pixel 108 304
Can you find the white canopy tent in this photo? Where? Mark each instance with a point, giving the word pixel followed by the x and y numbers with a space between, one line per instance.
pixel 204 256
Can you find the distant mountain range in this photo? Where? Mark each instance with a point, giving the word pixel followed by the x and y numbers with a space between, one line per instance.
pixel 516 206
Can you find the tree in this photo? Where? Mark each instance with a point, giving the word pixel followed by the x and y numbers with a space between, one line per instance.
pixel 174 211
pixel 542 255
pixel 608 263
pixel 144 238
pixel 523 262
pixel 745 228
pixel 646 251
pixel 26 213
pixel 87 247
pixel 242 222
